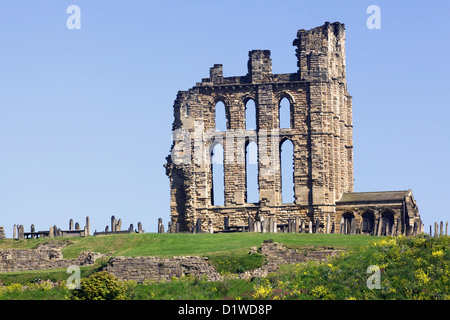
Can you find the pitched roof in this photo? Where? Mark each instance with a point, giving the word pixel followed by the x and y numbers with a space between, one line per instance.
pixel 380 196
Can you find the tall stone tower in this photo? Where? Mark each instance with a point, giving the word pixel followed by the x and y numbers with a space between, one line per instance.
pixel 320 131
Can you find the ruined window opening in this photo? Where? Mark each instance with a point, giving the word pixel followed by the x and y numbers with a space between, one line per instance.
pixel 250 115
pixel 251 173
pixel 220 116
pixel 217 176
pixel 284 113
pixel 187 110
pixel 368 222
pixel 287 171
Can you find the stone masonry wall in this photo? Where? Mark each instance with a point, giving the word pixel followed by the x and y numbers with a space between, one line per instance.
pixel 153 268
pixel 158 269
pixel 320 131
pixel 48 256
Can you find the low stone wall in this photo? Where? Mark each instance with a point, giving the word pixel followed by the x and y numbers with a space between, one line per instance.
pixel 154 268
pixel 47 256
pixel 158 269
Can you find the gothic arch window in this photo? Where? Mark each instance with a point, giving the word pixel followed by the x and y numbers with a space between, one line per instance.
pixel 287 171
pixel 251 172
pixel 217 175
pixel 368 222
pixel 220 116
pixel 250 115
pixel 284 113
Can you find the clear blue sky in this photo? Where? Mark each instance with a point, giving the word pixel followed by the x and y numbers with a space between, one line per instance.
pixel 86 115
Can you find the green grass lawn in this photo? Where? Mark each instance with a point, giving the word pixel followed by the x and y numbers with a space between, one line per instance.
pixel 169 245
pixel 206 244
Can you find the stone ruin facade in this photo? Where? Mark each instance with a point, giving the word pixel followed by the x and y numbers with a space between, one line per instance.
pixel 320 130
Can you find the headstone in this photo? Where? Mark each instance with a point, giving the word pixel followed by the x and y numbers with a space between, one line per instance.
pixel 88 226
pixel 51 232
pixel 139 227
pixel 20 232
pixel 258 226
pixel 130 228
pixel 226 223
pixel 379 227
pixel 198 226
pixel 113 223
pixel 119 225
pixel 328 223
pixel 251 224
pixel 107 229
pixel 77 226
pixel 263 225
pixel 352 225
pixel 71 224
pixel 270 225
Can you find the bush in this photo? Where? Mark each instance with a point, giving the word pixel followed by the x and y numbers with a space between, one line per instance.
pixel 100 286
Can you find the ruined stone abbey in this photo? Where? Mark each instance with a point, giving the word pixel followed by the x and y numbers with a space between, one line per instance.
pixel 320 130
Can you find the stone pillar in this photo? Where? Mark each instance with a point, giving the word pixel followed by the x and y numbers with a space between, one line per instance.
pixel 71 224
pixel 441 229
pixel 14 231
pixel 139 227
pixel 119 225
pixel 51 232
pixel 77 226
pixel 310 227
pixel 436 230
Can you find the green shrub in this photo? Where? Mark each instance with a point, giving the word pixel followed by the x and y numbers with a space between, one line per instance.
pixel 100 286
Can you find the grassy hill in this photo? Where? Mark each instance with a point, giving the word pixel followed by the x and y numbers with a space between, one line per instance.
pixel 409 268
pixel 169 245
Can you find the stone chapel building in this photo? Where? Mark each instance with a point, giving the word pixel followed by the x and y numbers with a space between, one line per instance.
pixel 319 129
